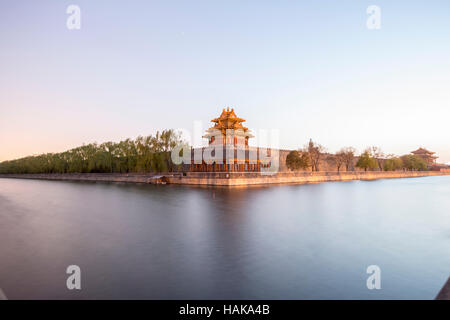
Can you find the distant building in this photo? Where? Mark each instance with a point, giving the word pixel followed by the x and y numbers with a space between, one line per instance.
pixel 426 155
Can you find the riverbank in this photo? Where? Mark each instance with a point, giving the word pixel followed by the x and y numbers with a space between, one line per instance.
pixel 229 179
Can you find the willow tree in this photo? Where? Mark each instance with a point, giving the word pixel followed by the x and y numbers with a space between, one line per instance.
pixel 393 164
pixel 414 163
pixel 144 154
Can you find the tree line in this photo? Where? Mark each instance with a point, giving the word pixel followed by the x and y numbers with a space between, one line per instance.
pixel 152 154
pixel 313 154
pixel 143 154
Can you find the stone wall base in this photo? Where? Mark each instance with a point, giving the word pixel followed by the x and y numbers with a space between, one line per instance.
pixel 232 179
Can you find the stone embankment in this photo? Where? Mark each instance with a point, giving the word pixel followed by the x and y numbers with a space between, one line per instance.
pixel 100 177
pixel 230 179
pixel 236 179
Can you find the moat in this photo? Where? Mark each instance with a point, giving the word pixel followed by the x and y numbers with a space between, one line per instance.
pixel 181 242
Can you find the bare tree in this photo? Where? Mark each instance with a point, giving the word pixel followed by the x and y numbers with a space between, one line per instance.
pixel 348 154
pixel 339 159
pixel 314 152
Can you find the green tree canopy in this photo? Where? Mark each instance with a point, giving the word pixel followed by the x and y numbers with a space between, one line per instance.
pixel 393 164
pixel 414 163
pixel 296 160
pixel 144 154
pixel 366 161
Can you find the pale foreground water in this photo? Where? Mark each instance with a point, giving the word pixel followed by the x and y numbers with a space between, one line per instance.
pixel 178 242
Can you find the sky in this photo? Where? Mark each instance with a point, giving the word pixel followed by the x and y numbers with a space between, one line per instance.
pixel 309 69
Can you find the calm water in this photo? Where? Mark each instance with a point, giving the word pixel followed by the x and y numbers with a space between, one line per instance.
pixel 178 242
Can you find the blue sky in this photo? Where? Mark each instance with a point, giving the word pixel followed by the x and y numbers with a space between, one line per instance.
pixel 311 69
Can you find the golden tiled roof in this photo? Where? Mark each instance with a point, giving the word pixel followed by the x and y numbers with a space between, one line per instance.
pixel 228 120
pixel 422 151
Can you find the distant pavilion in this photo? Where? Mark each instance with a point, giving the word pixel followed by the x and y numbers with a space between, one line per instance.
pixel 426 155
